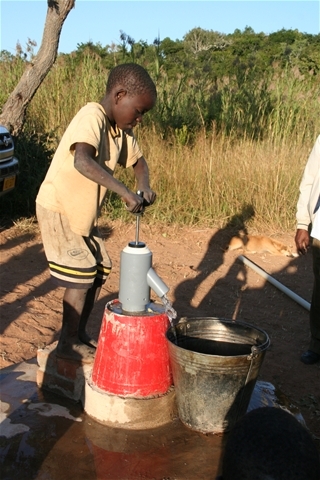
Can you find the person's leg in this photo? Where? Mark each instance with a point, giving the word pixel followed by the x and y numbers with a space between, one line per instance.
pixel 80 265
pixel 315 302
pixel 69 344
pixel 312 355
pixel 91 297
pixel 103 264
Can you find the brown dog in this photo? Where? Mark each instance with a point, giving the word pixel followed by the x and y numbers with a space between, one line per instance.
pixel 260 244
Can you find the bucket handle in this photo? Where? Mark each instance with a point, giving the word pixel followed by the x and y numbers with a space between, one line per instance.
pixel 253 355
pixel 255 351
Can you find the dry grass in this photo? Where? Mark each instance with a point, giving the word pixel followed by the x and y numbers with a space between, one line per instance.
pixel 26 225
pixel 217 181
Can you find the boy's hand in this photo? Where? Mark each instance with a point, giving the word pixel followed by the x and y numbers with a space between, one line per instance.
pixel 134 203
pixel 149 196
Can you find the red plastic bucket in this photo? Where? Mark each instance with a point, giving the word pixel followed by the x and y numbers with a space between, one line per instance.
pixel 132 357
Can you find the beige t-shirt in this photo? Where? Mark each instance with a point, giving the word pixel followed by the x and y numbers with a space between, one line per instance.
pixel 70 193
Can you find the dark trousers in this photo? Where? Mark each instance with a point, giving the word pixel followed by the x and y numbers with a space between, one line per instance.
pixel 315 302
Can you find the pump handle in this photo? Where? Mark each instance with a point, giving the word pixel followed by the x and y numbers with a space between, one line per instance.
pixel 138 215
pixel 145 202
pixel 140 193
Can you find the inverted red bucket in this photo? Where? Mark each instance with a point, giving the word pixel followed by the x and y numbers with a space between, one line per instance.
pixel 132 357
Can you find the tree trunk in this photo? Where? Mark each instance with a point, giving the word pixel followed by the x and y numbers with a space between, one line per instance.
pixel 14 110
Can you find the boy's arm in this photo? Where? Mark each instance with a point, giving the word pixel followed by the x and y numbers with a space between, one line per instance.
pixel 141 172
pixel 84 162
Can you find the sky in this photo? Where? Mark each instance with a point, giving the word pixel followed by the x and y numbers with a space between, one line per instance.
pixel 101 21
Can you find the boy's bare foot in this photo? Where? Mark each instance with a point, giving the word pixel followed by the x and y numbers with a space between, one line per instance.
pixel 76 351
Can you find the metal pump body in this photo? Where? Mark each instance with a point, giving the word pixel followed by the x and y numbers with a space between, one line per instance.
pixel 137 276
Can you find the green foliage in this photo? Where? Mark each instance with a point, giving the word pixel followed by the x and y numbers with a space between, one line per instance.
pixel 34 154
pixel 283 36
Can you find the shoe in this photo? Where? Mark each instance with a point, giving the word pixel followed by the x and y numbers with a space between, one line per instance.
pixel 309 357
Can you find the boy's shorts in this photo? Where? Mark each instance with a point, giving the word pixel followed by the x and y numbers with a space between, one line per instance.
pixel 74 261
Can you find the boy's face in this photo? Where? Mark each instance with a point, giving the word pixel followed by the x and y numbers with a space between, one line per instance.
pixel 128 110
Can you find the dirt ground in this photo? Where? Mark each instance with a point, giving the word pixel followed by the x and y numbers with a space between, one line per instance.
pixel 204 280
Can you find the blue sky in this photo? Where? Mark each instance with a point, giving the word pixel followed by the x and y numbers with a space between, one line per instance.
pixel 102 20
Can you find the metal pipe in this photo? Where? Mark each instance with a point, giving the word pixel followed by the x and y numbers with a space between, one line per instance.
pixel 275 282
pixel 155 282
pixel 138 215
pixel 137 228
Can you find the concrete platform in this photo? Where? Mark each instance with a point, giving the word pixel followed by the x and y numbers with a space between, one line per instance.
pixel 45 436
pixel 64 377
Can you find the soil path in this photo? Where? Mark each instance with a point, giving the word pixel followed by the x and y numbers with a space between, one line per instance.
pixel 204 281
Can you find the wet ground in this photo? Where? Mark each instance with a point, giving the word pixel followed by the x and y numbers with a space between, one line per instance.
pixel 48 437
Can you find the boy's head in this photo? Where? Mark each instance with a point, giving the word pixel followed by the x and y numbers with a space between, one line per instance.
pixel 134 78
pixel 130 94
pixel 269 443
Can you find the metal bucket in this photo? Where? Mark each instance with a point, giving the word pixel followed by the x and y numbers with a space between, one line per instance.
pixel 215 364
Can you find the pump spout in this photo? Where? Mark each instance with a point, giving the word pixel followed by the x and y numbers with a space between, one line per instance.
pixel 155 282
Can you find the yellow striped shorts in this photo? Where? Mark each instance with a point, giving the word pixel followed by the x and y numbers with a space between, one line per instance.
pixel 74 261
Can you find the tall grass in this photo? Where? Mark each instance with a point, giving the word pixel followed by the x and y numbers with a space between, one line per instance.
pixel 217 180
pixel 218 154
pixel 68 86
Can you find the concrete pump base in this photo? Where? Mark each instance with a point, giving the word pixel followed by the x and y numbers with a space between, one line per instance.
pixel 128 412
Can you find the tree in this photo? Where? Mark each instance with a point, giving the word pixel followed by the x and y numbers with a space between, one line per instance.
pixel 199 40
pixel 14 110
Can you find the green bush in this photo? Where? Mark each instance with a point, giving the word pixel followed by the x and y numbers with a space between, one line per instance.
pixel 34 159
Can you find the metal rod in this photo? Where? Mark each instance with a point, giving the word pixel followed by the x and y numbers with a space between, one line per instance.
pixel 137 228
pixel 138 215
pixel 275 282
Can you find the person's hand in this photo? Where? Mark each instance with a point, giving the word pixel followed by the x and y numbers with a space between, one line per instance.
pixel 149 196
pixel 302 240
pixel 134 203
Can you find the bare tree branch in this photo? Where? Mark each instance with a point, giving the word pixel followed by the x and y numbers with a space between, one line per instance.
pixel 14 110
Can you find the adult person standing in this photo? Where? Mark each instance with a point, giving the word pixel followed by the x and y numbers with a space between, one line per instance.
pixel 308 220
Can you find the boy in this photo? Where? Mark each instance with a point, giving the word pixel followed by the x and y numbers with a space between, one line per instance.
pixel 72 193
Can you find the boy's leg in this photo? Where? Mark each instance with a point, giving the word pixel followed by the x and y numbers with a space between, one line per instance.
pixel 91 298
pixel 69 344
pixel 97 248
pixel 80 265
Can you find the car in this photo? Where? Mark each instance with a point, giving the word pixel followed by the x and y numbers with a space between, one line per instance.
pixel 9 164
